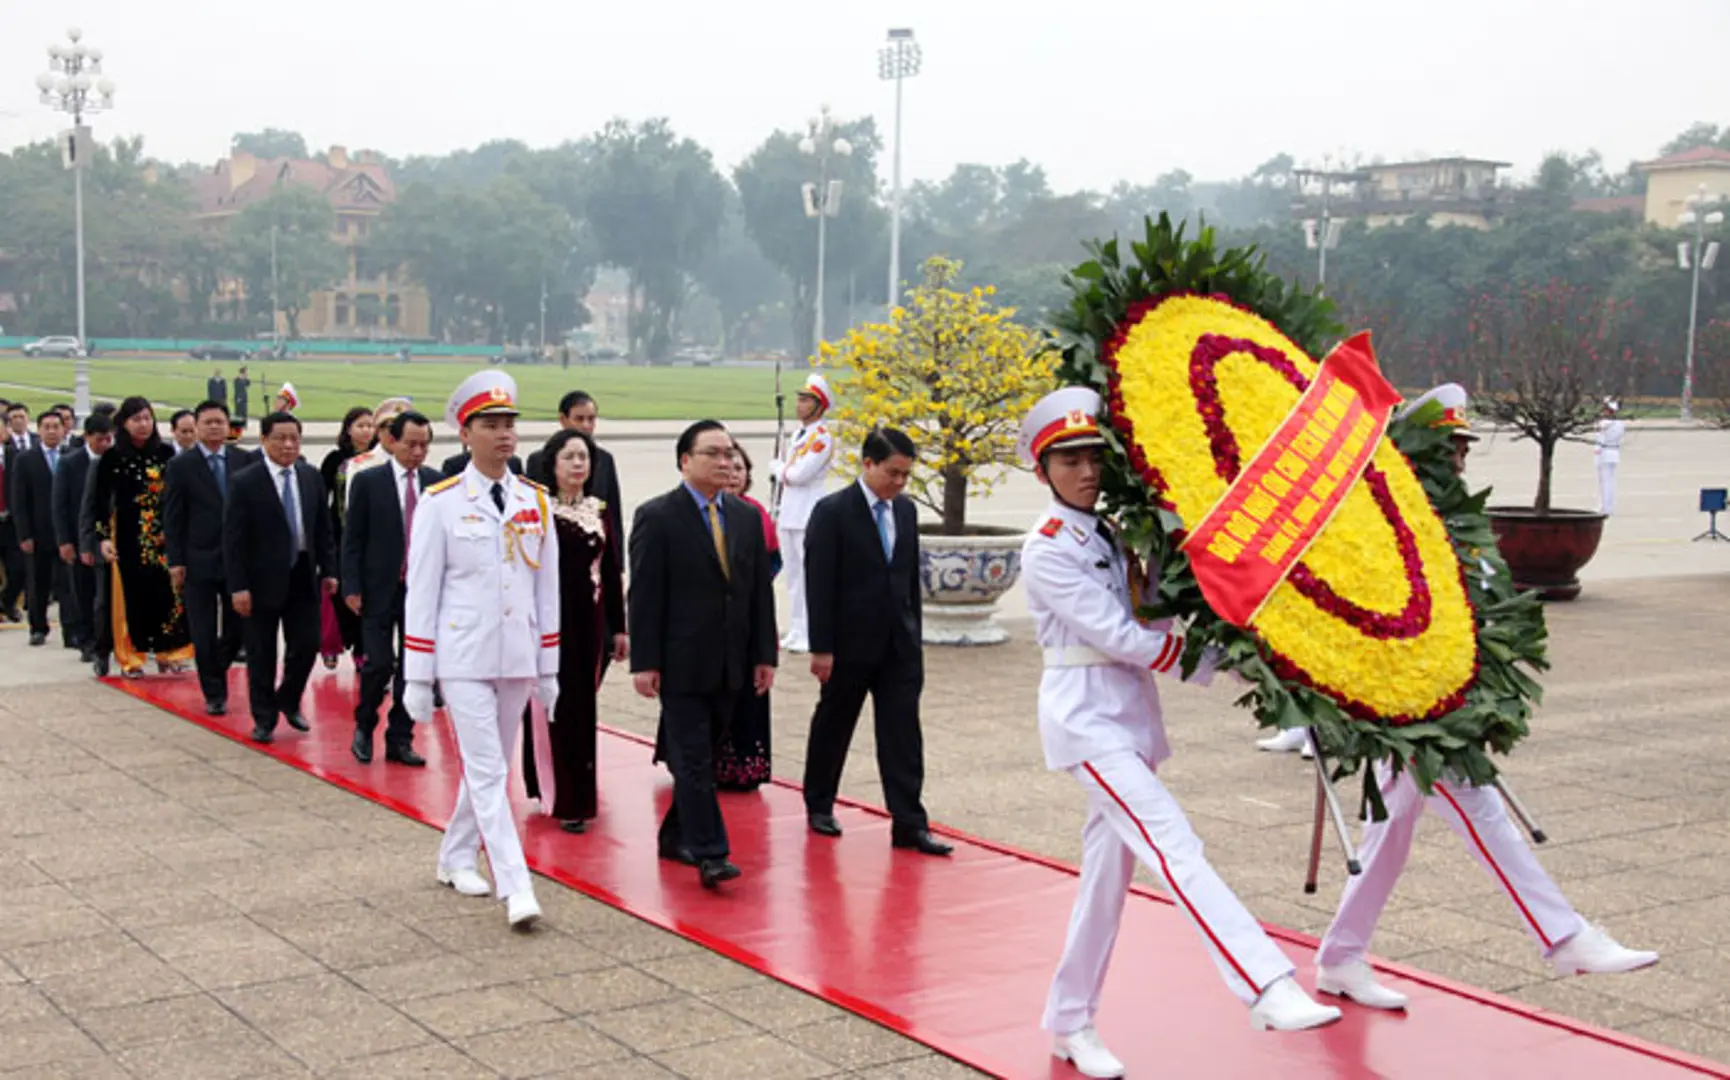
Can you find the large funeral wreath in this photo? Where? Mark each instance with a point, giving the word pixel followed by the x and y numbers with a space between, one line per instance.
pixel 1398 635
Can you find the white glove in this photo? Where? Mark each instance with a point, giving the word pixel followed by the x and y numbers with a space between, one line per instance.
pixel 547 693
pixel 417 701
pixel 775 468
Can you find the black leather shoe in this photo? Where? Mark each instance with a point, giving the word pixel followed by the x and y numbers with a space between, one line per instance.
pixel 100 665
pixel 297 720
pixel 922 842
pixel 262 734
pixel 680 855
pixel 38 638
pixel 715 871
pixel 824 824
pixel 361 747
pixel 404 755
pixel 576 825
pixel 215 707
pixel 70 645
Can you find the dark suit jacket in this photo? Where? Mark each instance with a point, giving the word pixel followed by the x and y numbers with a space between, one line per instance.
pixel 456 463
pixel 11 453
pixel 372 538
pixel 216 390
pixel 32 495
pixel 862 607
pixel 69 485
pixel 701 629
pixel 255 536
pixel 242 392
pixel 192 506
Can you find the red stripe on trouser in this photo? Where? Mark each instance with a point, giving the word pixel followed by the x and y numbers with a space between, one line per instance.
pixel 1165 872
pixel 1472 831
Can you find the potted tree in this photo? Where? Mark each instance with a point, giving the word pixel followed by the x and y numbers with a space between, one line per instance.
pixel 1545 358
pixel 954 371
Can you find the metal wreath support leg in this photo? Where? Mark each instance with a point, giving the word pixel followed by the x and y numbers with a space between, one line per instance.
pixel 1328 807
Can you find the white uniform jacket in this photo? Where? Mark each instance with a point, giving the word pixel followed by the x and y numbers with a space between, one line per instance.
pixel 1078 593
pixel 1609 442
pixel 482 599
pixel 803 474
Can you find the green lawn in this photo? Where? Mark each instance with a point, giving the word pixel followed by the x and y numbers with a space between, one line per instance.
pixel 329 388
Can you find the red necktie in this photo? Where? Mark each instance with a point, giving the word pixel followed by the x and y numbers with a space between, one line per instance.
pixel 409 502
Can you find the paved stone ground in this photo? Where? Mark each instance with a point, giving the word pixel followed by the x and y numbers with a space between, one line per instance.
pixel 177 905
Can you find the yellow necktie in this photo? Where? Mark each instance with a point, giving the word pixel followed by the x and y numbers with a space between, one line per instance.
pixel 720 540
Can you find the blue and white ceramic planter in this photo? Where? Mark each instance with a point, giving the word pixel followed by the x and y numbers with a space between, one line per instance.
pixel 963 577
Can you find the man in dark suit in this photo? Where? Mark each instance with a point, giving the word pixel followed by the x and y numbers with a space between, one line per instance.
pixel 578 411
pixel 702 625
pixel 863 597
pixel 32 502
pixel 69 420
pixel 78 555
pixel 376 525
pixel 196 486
pixel 242 395
pixel 18 439
pixel 216 388
pixel 278 549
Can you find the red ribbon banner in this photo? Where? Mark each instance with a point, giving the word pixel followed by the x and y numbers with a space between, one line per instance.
pixel 1287 493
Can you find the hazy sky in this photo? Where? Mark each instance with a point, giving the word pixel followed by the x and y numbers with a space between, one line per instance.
pixel 1095 92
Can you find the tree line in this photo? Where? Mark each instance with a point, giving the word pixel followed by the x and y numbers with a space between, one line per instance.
pixel 497 232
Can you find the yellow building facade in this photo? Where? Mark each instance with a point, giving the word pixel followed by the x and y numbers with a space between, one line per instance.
pixel 1670 180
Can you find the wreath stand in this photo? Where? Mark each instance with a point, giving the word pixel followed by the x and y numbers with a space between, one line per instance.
pixel 1328 809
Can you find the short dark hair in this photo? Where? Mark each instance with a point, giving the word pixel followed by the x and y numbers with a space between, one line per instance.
pixel 549 477
pixel 178 414
pixel 47 414
pixel 104 408
pixel 400 422
pixel 61 406
pixel 270 422
pixel 17 406
pixel 688 438
pixel 206 406
pixel 883 443
pixel 98 424
pixel 573 398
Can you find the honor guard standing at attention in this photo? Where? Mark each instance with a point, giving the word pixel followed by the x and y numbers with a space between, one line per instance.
pixel 801 473
pixel 1607 448
pixel 482 618
pixel 1099 721
pixel 1478 815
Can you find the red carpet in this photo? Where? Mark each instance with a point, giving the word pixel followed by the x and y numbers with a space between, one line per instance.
pixel 955 954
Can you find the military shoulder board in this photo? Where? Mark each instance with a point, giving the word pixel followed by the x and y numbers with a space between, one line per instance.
pixel 444 485
pixel 1051 528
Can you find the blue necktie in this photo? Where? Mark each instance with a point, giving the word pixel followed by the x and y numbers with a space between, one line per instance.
pixel 220 468
pixel 290 508
pixel 882 512
pixel 53 457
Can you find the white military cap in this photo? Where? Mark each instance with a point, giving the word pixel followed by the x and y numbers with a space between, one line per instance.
pixel 818 387
pixel 287 392
pixel 485 393
pixel 391 408
pixel 1453 399
pixel 1068 417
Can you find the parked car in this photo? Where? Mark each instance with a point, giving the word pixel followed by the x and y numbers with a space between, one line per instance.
pixel 59 346
pixel 216 350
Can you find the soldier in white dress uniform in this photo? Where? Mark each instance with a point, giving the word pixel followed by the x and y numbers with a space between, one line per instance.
pixel 482 617
pixel 802 472
pixel 1099 721
pixel 1481 819
pixel 1607 448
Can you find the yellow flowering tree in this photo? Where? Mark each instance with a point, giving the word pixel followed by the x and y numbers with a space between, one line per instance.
pixel 956 373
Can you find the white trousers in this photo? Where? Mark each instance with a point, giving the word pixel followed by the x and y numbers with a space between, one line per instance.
pixel 1131 816
pixel 1493 837
pixel 1606 486
pixel 793 573
pixel 486 716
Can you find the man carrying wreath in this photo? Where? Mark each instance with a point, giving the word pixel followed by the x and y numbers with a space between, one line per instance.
pixel 1099 721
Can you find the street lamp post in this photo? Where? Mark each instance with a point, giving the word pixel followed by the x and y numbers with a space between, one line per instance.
pixel 898 60
pixel 1696 255
pixel 70 86
pixel 1324 235
pixel 822 199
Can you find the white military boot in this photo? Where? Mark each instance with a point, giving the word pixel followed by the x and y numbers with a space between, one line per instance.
pixel 1289 741
pixel 467 881
pixel 1593 952
pixel 1086 1051
pixel 1357 981
pixel 523 909
pixel 1285 1007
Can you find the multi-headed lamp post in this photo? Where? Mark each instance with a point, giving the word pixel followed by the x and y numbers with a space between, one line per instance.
pixel 898 60
pixel 1696 255
pixel 71 86
pixel 823 199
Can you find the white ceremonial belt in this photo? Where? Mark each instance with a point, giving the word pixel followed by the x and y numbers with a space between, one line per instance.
pixel 1065 656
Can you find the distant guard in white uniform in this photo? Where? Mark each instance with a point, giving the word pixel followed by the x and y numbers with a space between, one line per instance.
pixel 1481 819
pixel 1099 720
pixel 482 617
pixel 802 472
pixel 1607 448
